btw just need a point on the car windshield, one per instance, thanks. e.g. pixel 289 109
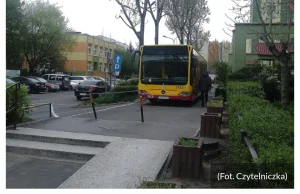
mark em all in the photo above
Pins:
pixel 41 80
pixel 9 81
pixel 89 82
pixel 76 78
pixel 32 80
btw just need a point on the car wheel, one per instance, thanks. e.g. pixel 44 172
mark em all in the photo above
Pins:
pixel 71 88
pixel 78 97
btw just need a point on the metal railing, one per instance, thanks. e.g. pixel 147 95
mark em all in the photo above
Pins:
pixel 12 107
pixel 51 111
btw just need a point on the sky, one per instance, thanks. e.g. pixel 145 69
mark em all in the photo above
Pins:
pixel 95 17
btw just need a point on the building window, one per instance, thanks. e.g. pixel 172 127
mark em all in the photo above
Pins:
pixel 100 51
pixel 90 49
pixel 248 46
pixel 95 50
pixel 100 66
pixel 90 66
pixel 106 52
pixel 95 66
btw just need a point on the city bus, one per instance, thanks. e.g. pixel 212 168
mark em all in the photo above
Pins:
pixel 170 72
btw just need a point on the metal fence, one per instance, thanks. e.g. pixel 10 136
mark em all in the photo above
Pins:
pixel 12 104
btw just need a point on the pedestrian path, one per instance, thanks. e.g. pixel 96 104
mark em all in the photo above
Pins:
pixel 115 162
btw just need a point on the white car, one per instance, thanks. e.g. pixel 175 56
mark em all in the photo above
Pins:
pixel 75 80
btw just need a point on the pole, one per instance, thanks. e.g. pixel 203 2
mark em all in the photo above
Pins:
pixel 93 105
pixel 142 111
pixel 50 109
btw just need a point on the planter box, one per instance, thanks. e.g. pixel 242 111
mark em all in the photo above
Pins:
pixel 187 161
pixel 211 109
pixel 210 125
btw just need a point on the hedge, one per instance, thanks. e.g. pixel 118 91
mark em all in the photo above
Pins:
pixel 23 101
pixel 247 73
pixel 128 93
pixel 271 130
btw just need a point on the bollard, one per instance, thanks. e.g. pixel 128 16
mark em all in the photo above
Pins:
pixel 142 111
pixel 50 109
pixel 93 105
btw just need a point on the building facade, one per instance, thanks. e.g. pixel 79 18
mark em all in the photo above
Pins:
pixel 91 55
pixel 247 49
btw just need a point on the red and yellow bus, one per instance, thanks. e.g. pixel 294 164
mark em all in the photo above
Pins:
pixel 170 72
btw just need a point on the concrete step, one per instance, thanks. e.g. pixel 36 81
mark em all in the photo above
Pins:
pixel 51 150
pixel 53 137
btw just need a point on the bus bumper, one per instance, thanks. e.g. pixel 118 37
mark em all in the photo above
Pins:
pixel 157 97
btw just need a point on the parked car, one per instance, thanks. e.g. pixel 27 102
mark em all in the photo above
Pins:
pixel 62 80
pixel 89 86
pixel 35 86
pixel 49 86
pixel 10 81
pixel 75 80
pixel 113 82
pixel 95 78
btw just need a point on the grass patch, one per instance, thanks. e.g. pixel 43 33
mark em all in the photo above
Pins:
pixel 188 142
pixel 156 185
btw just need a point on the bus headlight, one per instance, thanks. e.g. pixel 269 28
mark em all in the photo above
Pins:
pixel 143 92
pixel 185 94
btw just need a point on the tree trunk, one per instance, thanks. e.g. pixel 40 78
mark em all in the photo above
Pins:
pixel 181 37
pixel 284 81
pixel 142 31
pixel 156 31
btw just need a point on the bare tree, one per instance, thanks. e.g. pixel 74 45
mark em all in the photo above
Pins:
pixel 133 14
pixel 278 44
pixel 199 37
pixel 157 7
pixel 185 18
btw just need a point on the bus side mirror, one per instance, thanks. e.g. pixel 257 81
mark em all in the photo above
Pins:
pixel 134 54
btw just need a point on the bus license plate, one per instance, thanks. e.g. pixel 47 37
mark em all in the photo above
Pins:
pixel 163 97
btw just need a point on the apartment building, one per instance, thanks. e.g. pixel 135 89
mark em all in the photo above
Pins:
pixel 91 55
pixel 247 48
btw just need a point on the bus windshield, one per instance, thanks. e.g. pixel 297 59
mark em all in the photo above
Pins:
pixel 165 64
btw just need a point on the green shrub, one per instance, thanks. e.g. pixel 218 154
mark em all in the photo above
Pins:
pixel 188 142
pixel 129 82
pixel 250 88
pixel 23 101
pixel 215 103
pixel 246 74
pixel 119 94
pixel 271 130
pixel 120 88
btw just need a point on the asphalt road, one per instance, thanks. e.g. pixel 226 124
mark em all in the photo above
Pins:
pixel 62 101
pixel 164 121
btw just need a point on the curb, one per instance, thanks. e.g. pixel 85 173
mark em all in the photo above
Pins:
pixel 29 123
pixel 197 132
pixel 165 165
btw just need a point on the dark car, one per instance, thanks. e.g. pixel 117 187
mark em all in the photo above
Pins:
pixel 35 86
pixel 49 86
pixel 10 81
pixel 89 86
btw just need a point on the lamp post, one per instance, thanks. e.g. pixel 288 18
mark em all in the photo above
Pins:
pixel 170 38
